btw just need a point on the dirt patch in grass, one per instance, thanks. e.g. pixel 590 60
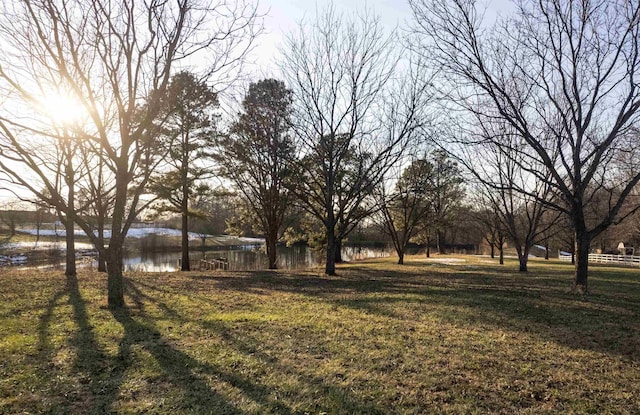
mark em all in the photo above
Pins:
pixel 461 337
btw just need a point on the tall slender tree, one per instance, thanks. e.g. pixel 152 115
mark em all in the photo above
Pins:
pixel 445 197
pixel 256 156
pixel 189 136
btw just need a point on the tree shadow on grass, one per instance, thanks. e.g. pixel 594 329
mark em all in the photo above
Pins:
pixel 97 378
pixel 99 372
pixel 259 281
pixel 182 370
pixel 178 368
pixel 245 345
pixel 605 321
pixel 44 345
pixel 100 376
pixel 332 399
pixel 139 298
pixel 48 370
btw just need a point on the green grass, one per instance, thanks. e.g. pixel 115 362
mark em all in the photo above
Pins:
pixel 422 338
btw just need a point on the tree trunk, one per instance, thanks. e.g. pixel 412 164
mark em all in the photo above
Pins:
pixel 101 211
pixel 582 245
pixel 428 250
pixel 400 246
pixel 271 242
pixel 493 250
pixel 330 266
pixel 501 251
pixel 546 249
pixel 12 227
pixel 115 281
pixel 440 242
pixel 70 266
pixel 37 235
pixel 339 250
pixel 102 261
pixel 185 265
pixel 523 258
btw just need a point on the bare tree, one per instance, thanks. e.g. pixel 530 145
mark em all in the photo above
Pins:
pixel 66 176
pixel 562 74
pixel 353 116
pixel 520 199
pixel 96 196
pixel 491 227
pixel 403 210
pixel 55 154
pixel 115 59
pixel 10 216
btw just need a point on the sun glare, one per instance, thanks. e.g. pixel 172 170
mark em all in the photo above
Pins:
pixel 63 110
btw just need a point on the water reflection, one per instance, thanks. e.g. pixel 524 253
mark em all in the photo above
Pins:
pixel 247 258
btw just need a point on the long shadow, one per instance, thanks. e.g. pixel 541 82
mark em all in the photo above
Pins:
pixel 605 321
pixel 139 298
pixel 99 372
pixel 44 346
pixel 304 284
pixel 340 397
pixel 98 378
pixel 169 357
pixel 45 350
pixel 180 370
pixel 101 376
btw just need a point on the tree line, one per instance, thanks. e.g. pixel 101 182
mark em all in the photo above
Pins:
pixel 532 120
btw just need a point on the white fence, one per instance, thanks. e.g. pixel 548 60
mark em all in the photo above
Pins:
pixel 632 260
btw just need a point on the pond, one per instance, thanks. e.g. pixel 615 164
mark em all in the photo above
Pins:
pixel 243 258
pixel 248 258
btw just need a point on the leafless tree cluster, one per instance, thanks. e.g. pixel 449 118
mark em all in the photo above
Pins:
pixel 563 76
pixel 519 200
pixel 356 109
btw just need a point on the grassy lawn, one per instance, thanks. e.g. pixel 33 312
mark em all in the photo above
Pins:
pixel 466 337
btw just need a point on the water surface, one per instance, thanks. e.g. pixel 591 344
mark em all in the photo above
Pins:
pixel 248 258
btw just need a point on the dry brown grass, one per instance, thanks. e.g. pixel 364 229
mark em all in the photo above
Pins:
pixel 468 337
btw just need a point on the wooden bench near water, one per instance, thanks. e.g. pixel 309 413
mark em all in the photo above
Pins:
pixel 213 264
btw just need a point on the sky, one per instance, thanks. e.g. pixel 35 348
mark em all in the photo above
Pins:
pixel 283 16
